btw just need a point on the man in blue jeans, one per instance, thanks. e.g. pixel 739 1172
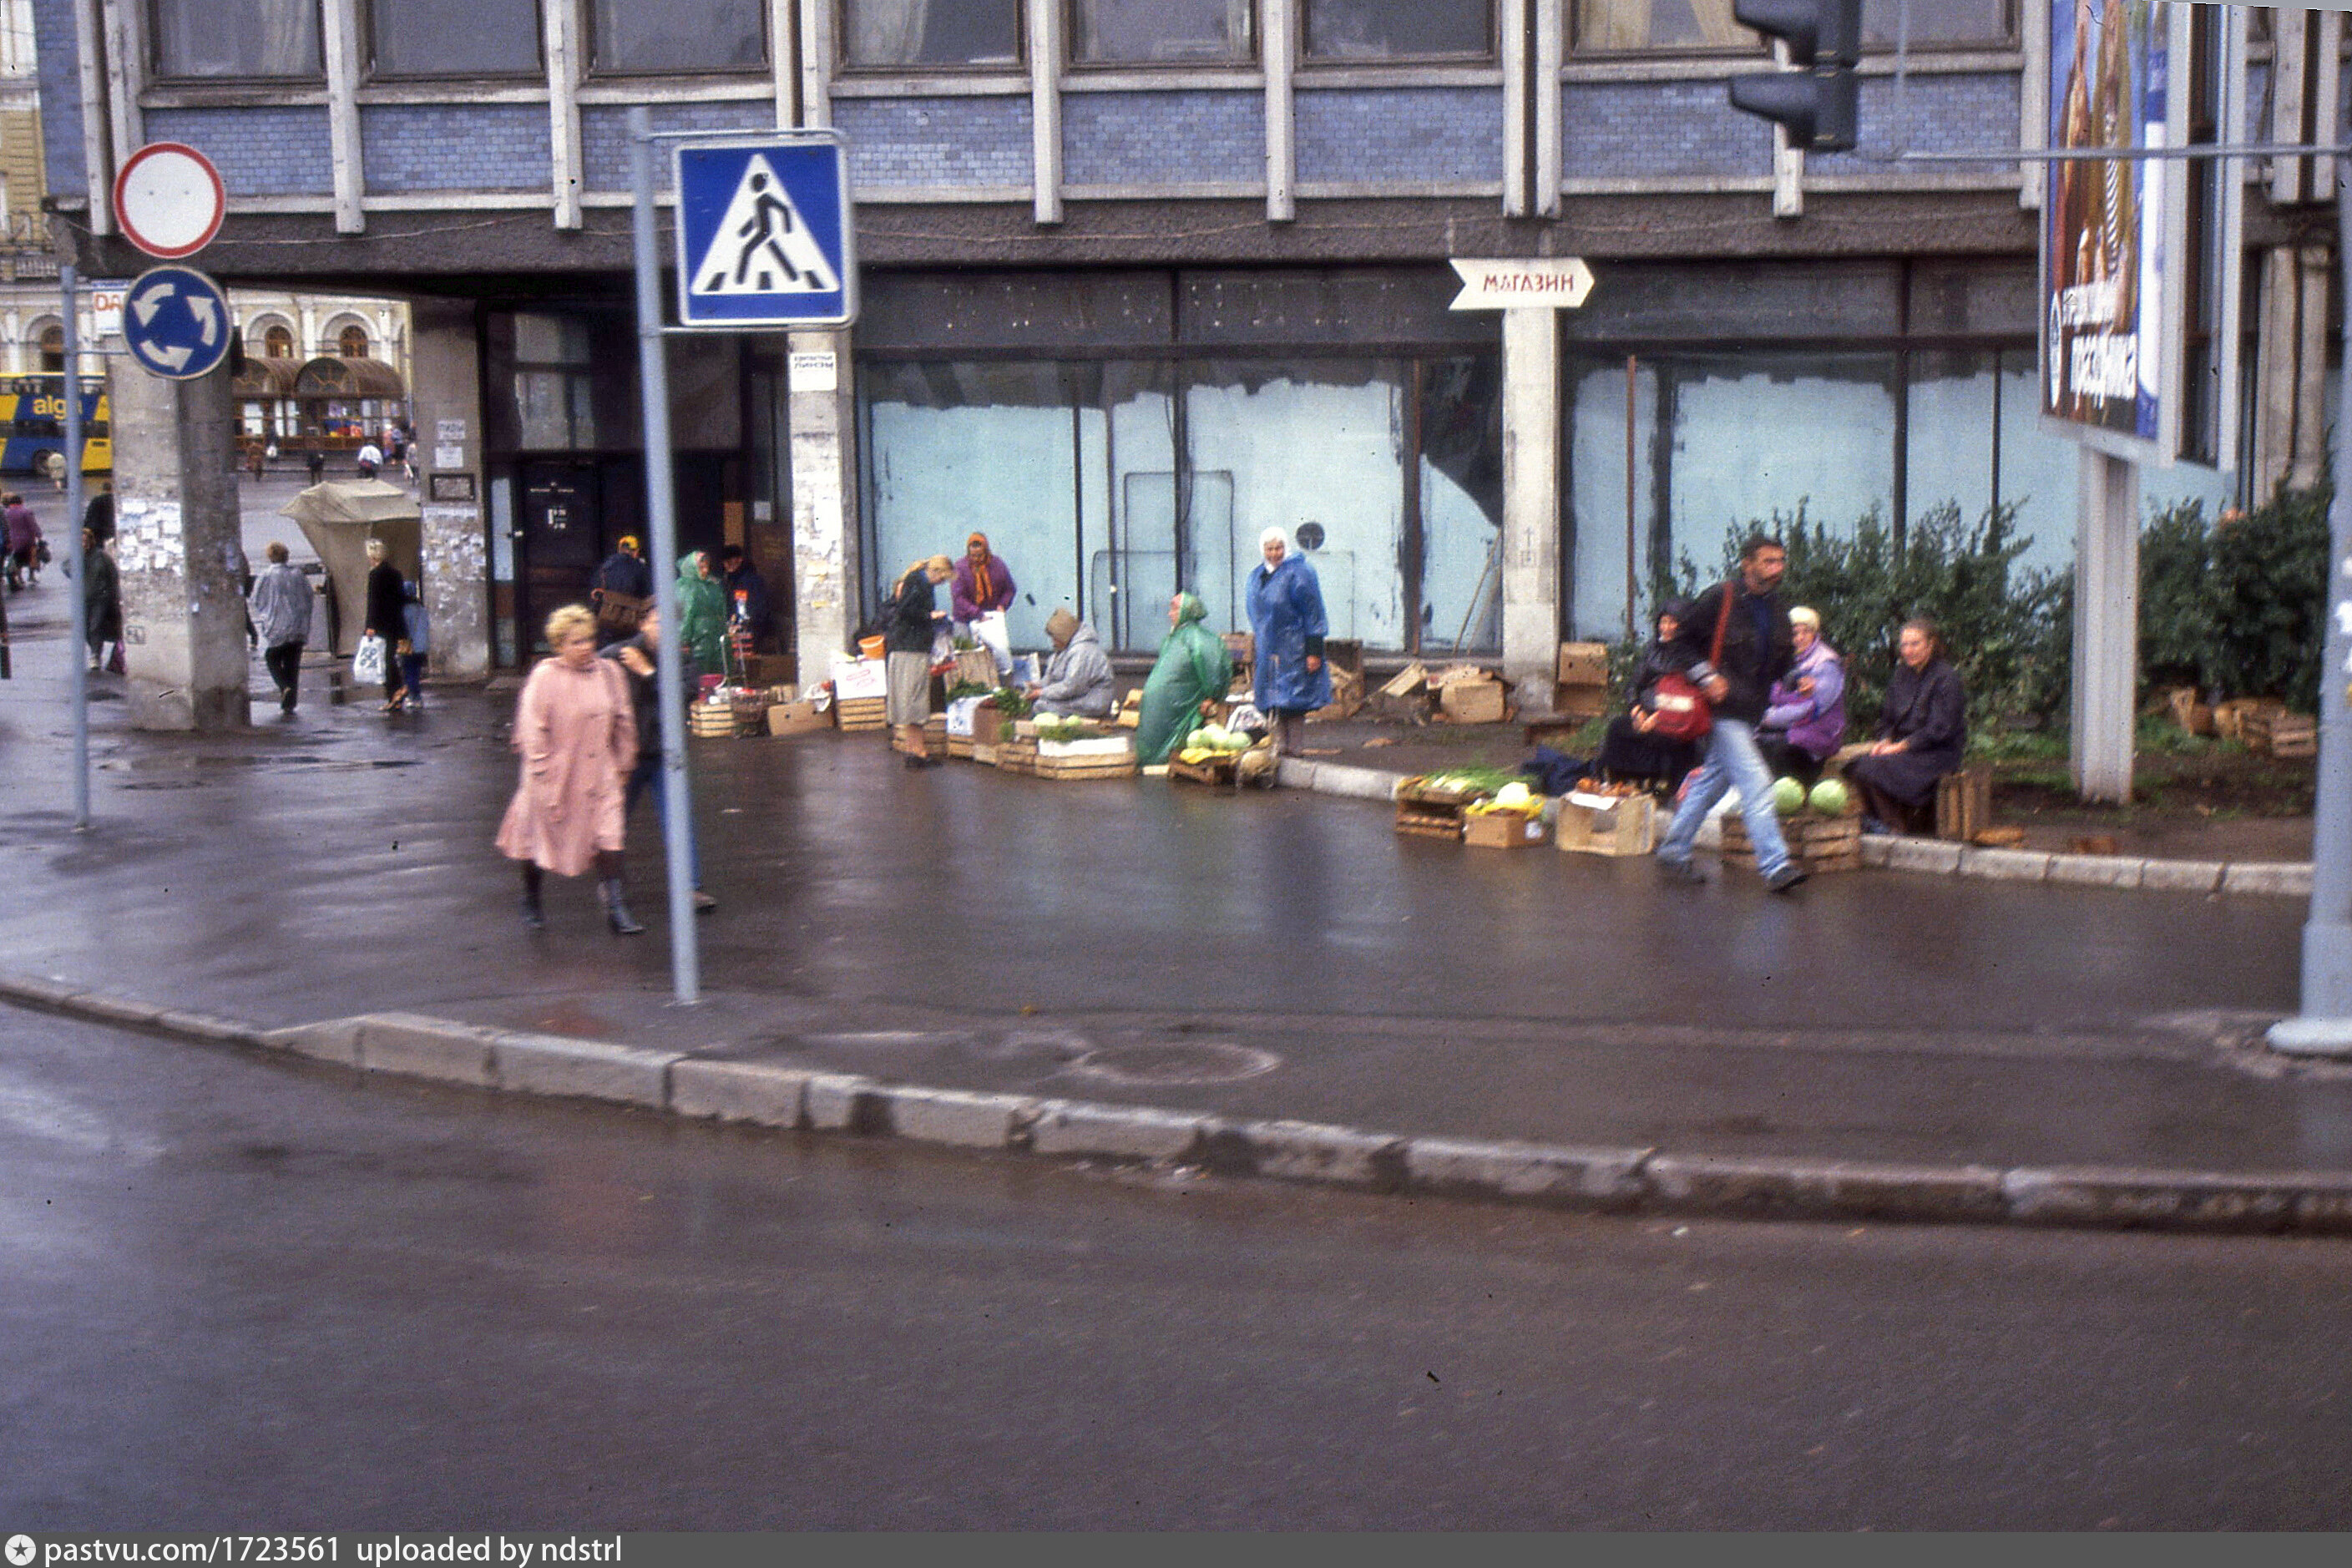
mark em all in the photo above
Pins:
pixel 1758 647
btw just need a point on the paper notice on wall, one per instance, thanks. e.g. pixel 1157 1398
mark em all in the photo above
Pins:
pixel 449 457
pixel 449 430
pixel 816 372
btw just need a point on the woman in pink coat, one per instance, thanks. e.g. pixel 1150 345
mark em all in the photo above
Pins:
pixel 577 732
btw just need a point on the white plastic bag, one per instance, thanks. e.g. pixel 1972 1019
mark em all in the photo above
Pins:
pixel 367 665
pixel 988 630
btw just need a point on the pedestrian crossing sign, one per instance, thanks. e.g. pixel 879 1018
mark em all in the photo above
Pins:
pixel 765 233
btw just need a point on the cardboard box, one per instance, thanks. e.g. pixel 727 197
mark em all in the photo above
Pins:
pixel 1608 824
pixel 855 678
pixel 796 719
pixel 1584 664
pixel 1473 701
pixel 1502 830
pixel 1580 702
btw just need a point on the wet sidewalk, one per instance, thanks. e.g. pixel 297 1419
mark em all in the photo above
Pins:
pixel 1258 957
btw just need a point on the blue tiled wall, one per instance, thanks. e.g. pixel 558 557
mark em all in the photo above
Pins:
pixel 261 152
pixel 1940 114
pixel 60 75
pixel 453 147
pixel 1637 130
pixel 604 135
pixel 1451 133
pixel 1164 138
pixel 936 140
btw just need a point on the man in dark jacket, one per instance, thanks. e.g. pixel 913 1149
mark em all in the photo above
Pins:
pixel 1758 647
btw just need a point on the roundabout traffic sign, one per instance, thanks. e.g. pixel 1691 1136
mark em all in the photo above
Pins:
pixel 169 200
pixel 176 322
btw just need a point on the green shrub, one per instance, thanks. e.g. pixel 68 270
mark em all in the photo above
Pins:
pixel 1999 625
pixel 2236 608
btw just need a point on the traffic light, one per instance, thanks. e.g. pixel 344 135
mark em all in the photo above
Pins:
pixel 1817 101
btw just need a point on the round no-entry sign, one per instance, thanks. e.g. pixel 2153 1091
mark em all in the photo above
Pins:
pixel 169 200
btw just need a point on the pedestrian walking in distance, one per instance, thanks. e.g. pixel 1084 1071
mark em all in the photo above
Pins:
pixel 576 730
pixel 102 603
pixel 280 607
pixel 387 618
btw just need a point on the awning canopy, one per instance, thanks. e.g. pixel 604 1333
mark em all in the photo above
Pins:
pixel 332 375
pixel 267 377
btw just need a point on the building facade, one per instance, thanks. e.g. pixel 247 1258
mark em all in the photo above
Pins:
pixel 1143 277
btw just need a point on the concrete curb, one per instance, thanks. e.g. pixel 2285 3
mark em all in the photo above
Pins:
pixel 1557 1177
pixel 2278 878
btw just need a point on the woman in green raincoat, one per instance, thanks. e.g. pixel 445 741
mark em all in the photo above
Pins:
pixel 701 614
pixel 1193 670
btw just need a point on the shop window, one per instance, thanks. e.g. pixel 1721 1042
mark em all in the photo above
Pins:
pixel 1343 30
pixel 632 39
pixel 453 37
pixel 1620 27
pixel 1163 32
pixel 240 39
pixel 888 33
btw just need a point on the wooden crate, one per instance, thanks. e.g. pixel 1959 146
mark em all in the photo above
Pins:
pixel 1102 758
pixel 1430 813
pixel 860 713
pixel 959 746
pixel 1217 770
pixel 1964 803
pixel 1607 825
pixel 2275 733
pixel 711 720
pixel 1819 844
pixel 1017 757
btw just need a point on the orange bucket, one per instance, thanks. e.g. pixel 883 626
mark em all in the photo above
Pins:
pixel 869 647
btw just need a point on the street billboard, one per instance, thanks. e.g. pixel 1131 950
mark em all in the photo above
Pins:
pixel 2104 261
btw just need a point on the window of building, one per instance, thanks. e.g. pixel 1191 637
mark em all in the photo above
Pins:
pixel 1163 32
pixel 453 37
pixel 632 39
pixel 1619 26
pixel 351 342
pixel 53 348
pixel 1342 30
pixel 554 383
pixel 245 38
pixel 882 33
pixel 277 343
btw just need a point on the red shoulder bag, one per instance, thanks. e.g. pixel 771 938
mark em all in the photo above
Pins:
pixel 1683 711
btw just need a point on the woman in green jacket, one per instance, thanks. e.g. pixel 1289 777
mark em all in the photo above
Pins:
pixel 1193 671
pixel 701 614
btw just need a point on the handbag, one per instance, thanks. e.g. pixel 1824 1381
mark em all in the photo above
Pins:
pixel 367 664
pixel 1683 712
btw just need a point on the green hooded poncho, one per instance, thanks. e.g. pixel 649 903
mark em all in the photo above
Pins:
pixel 701 615
pixel 1193 668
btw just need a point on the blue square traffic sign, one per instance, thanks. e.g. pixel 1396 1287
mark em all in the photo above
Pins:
pixel 765 234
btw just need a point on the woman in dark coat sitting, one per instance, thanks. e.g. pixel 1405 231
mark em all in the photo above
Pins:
pixel 1921 732
pixel 1631 751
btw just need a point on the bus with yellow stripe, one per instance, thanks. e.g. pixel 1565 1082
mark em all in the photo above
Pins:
pixel 33 427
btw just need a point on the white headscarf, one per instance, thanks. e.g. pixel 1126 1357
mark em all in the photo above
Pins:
pixel 1275 536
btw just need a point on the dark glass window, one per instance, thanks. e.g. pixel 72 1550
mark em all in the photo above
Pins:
pixel 236 38
pixel 1163 32
pixel 1339 30
pixel 453 37
pixel 1616 26
pixel 634 38
pixel 933 32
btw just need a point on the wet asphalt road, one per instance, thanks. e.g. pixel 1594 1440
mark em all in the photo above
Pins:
pixel 1281 954
pixel 248 1296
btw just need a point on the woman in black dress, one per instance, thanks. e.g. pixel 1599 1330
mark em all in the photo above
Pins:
pixel 1922 730
pixel 386 599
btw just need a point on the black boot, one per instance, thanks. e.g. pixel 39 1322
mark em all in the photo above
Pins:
pixel 616 910
pixel 534 917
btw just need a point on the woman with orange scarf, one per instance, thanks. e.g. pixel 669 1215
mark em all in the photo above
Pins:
pixel 983 593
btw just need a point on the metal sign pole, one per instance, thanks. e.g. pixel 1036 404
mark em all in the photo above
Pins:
pixel 77 563
pixel 654 391
pixel 2325 1027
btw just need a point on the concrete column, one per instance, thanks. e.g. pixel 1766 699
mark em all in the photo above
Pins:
pixel 1530 564
pixel 2107 626
pixel 446 408
pixel 2290 433
pixel 178 546
pixel 827 563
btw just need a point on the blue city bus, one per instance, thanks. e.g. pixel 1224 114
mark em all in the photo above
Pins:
pixel 33 426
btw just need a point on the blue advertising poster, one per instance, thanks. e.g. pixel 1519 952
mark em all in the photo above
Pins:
pixel 2103 254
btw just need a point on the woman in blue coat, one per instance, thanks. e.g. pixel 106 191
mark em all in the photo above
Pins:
pixel 1285 614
